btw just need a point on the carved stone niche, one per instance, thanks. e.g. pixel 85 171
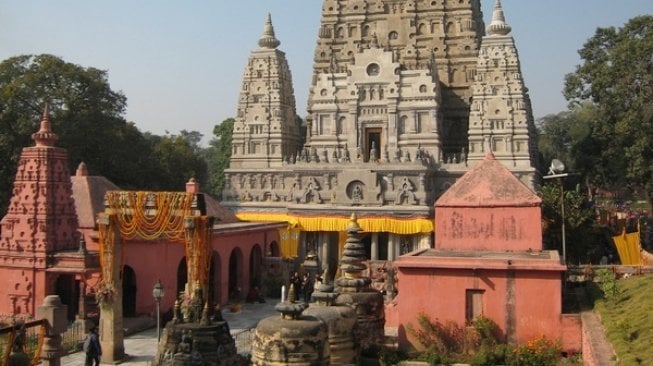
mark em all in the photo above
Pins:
pixel 356 192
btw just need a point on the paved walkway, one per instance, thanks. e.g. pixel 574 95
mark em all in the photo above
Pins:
pixel 141 347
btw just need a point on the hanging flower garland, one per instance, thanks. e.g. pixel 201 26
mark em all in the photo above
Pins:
pixel 106 289
pixel 151 215
pixel 10 343
pixel 198 251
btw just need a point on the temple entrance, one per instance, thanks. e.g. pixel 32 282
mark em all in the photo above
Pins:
pixel 235 275
pixel 68 290
pixel 372 149
pixel 215 290
pixel 255 264
pixel 128 292
pixel 182 276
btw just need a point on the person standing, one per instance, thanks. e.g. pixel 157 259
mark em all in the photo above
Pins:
pixel 92 347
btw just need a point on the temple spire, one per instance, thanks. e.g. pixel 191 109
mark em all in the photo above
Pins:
pixel 268 40
pixel 45 136
pixel 498 26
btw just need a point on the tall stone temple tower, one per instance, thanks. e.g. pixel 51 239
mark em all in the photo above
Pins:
pixel 265 129
pixel 406 96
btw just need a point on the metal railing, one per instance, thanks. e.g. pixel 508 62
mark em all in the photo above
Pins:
pixel 23 337
pixel 243 339
pixel 73 337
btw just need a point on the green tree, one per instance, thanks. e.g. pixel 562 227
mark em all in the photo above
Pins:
pixel 616 76
pixel 567 136
pixel 586 241
pixel 85 113
pixel 178 161
pixel 218 155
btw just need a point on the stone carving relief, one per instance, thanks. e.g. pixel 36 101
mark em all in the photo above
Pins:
pixel 355 191
pixel 311 193
pixel 405 193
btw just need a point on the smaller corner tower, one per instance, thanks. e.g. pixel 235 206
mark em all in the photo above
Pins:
pixel 41 220
pixel 266 129
pixel 501 118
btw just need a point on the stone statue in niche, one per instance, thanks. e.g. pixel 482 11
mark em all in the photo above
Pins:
pixel 311 193
pixel 373 157
pixel 357 193
pixel 406 194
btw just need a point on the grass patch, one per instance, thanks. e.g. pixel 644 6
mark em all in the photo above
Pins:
pixel 627 320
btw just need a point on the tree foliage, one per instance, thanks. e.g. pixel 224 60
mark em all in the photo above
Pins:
pixel 218 155
pixel 586 241
pixel 87 115
pixel 616 77
pixel 178 160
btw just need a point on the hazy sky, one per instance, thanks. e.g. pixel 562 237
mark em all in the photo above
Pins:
pixel 180 62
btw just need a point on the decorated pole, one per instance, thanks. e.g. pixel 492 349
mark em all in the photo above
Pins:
pixel 110 291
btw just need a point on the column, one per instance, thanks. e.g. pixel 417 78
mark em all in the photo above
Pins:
pixel 375 247
pixel 392 243
pixel 56 315
pixel 111 322
pixel 81 309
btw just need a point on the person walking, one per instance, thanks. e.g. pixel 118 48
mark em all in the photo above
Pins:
pixel 92 347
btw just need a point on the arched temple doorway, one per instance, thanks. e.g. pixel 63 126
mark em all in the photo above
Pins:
pixel 255 266
pixel 182 276
pixel 68 290
pixel 235 275
pixel 128 292
pixel 215 289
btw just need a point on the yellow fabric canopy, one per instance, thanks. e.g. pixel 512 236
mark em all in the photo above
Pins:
pixel 373 224
pixel 628 248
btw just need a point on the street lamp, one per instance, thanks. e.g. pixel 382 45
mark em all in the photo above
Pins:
pixel 556 171
pixel 158 293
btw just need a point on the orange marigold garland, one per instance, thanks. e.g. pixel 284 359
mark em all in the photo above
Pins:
pixel 153 215
pixel 10 344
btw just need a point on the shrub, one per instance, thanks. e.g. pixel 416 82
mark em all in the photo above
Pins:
pixel 442 341
pixel 609 285
pixel 538 352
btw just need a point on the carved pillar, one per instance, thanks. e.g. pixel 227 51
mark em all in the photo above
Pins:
pixel 81 313
pixel 111 322
pixel 375 247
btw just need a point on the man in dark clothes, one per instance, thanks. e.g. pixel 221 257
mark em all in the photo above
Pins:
pixel 92 348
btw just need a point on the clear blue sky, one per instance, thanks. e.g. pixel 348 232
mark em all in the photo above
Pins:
pixel 180 62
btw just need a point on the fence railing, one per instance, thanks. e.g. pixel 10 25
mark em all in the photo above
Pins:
pixel 243 339
pixel 22 338
pixel 73 337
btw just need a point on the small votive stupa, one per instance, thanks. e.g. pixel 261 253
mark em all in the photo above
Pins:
pixel 199 337
pixel 292 339
pixel 355 291
pixel 340 320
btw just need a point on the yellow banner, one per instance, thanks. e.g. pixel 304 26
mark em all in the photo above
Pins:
pixel 372 224
pixel 628 248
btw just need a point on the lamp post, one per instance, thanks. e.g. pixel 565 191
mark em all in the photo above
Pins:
pixel 157 293
pixel 556 171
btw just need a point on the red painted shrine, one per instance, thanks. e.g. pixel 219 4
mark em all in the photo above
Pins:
pixel 49 242
pixel 488 260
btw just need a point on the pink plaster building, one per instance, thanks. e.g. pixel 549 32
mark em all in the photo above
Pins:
pixel 488 260
pixel 49 242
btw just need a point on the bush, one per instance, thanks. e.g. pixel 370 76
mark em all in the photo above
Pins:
pixel 609 285
pixel 443 341
pixel 538 352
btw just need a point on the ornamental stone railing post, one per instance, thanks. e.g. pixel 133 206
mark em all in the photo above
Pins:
pixel 55 313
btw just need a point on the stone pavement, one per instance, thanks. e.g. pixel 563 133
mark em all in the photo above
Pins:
pixel 141 347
